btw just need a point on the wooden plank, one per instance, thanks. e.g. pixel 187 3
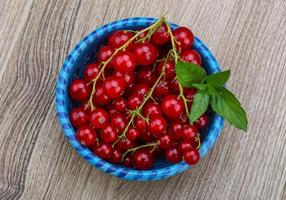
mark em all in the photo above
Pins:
pixel 36 161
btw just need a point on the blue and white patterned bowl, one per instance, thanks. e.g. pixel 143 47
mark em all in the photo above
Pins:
pixel 85 52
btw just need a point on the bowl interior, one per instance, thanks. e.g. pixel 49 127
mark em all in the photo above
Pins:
pixel 84 53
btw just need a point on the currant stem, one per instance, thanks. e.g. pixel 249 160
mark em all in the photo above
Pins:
pixel 197 139
pixel 140 147
pixel 104 64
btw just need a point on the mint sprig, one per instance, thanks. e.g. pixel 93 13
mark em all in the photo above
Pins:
pixel 211 91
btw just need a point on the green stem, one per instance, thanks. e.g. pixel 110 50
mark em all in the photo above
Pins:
pixel 140 147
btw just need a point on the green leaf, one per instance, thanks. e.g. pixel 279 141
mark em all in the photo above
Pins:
pixel 199 86
pixel 229 109
pixel 189 73
pixel 218 79
pixel 227 94
pixel 200 105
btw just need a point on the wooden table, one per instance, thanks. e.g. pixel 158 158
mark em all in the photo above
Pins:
pixel 37 162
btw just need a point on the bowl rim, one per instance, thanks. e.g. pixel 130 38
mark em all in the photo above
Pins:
pixel 117 170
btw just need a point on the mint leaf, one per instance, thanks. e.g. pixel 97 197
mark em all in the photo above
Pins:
pixel 218 79
pixel 230 109
pixel 200 105
pixel 188 73
pixel 199 86
pixel 227 94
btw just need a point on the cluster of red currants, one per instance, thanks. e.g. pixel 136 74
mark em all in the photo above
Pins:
pixel 131 111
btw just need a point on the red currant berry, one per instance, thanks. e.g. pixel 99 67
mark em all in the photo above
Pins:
pixel 146 75
pixel 124 144
pixel 132 134
pixel 174 86
pixel 105 53
pixel 170 73
pixel 86 135
pixel 113 86
pixel 141 89
pixel 151 108
pixel 161 89
pixel 173 106
pixel 157 125
pixel 184 146
pixel 98 118
pixel 202 122
pixel 119 121
pixel 140 124
pixel 103 151
pixel 116 156
pixel 173 155
pixel 142 159
pixel 146 53
pixel 142 35
pixel 134 101
pixel 124 61
pixel 190 93
pixel 78 117
pixel 183 118
pixel 128 77
pixel 120 104
pixel 91 72
pixel 147 136
pixel 176 130
pixel 119 38
pixel 111 110
pixel 191 156
pixel 184 37
pixel 166 142
pixel 108 134
pixel 78 90
pixel 189 132
pixel 161 35
pixel 191 56
pixel 100 97
pixel 127 162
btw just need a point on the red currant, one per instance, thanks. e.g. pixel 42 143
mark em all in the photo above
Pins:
pixel 190 93
pixel 124 61
pixel 105 53
pixel 170 73
pixel 100 97
pixel 132 134
pixel 174 86
pixel 146 75
pixel 176 130
pixel 140 124
pixel 147 136
pixel 103 151
pixel 120 104
pixel 127 162
pixel 146 53
pixel 189 132
pixel 166 142
pixel 184 146
pixel 116 156
pixel 86 135
pixel 90 72
pixel 191 156
pixel 151 108
pixel 157 125
pixel 108 134
pixel 173 155
pixel 113 86
pixel 202 122
pixel 184 37
pixel 78 90
pixel 119 38
pixel 161 35
pixel 134 101
pixel 78 117
pixel 128 77
pixel 142 159
pixel 119 121
pixel 111 110
pixel 161 89
pixel 124 144
pixel 98 118
pixel 191 56
pixel 173 106
pixel 141 89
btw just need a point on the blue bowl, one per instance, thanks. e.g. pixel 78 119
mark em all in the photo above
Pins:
pixel 85 52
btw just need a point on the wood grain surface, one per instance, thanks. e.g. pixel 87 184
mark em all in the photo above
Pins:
pixel 37 162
